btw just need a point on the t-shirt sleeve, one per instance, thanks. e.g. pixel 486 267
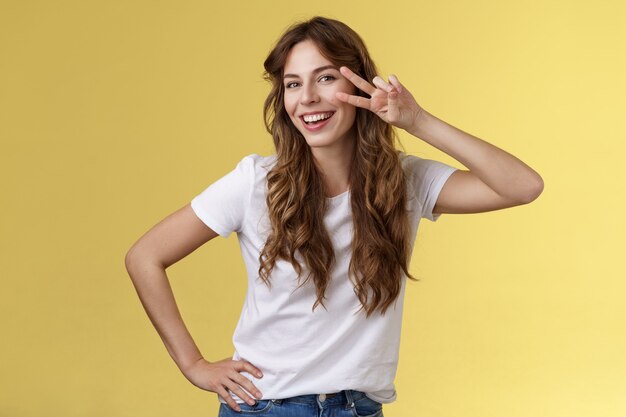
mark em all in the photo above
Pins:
pixel 427 178
pixel 222 205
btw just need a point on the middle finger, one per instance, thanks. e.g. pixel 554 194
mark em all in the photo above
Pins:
pixel 247 385
pixel 356 80
pixel 238 390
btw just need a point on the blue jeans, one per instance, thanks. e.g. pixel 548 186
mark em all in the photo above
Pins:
pixel 347 403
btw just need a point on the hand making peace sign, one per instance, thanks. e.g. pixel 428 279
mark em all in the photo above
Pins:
pixel 391 102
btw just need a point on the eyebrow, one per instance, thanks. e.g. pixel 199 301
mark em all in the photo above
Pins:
pixel 315 71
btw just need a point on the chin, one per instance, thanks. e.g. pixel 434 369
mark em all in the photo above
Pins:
pixel 322 142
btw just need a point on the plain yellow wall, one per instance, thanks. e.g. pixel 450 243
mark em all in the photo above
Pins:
pixel 113 114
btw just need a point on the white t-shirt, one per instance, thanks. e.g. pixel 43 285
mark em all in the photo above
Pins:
pixel 300 351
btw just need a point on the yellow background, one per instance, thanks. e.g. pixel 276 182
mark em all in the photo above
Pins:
pixel 113 114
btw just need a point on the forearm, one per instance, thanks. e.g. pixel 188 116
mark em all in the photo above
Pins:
pixel 501 171
pixel 154 290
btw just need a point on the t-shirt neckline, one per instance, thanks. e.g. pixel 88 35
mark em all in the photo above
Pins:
pixel 338 196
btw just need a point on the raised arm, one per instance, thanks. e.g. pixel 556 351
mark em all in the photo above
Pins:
pixel 495 178
pixel 166 243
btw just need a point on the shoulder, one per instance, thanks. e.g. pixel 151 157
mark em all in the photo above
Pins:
pixel 411 164
pixel 423 167
pixel 255 166
pixel 258 162
pixel 425 177
pixel 406 159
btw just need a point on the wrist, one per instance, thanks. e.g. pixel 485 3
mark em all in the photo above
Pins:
pixel 185 366
pixel 419 122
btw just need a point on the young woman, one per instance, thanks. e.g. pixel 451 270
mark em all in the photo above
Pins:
pixel 326 228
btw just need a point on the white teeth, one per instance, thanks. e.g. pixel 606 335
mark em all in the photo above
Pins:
pixel 315 117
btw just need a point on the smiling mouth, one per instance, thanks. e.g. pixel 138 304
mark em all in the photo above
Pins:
pixel 312 119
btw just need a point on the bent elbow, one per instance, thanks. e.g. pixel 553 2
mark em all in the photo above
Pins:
pixel 534 192
pixel 128 260
pixel 131 259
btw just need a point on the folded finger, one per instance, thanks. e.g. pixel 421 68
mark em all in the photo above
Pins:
pixel 356 80
pixel 396 83
pixel 382 84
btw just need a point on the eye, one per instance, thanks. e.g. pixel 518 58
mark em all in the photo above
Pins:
pixel 291 85
pixel 327 77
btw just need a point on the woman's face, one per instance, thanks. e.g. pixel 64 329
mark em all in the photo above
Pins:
pixel 310 83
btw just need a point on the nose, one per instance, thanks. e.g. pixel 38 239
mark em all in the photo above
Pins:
pixel 309 94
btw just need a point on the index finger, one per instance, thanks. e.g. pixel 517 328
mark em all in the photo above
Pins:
pixel 356 80
pixel 357 101
pixel 249 367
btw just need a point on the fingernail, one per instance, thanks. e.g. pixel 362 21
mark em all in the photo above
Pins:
pixel 259 374
pixel 258 394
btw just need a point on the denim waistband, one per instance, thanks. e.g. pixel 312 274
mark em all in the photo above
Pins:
pixel 341 397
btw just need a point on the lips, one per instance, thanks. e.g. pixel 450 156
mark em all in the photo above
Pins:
pixel 317 120
pixel 314 117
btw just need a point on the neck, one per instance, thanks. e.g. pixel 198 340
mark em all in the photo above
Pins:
pixel 334 166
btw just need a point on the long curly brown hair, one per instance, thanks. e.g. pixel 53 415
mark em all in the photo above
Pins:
pixel 296 198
